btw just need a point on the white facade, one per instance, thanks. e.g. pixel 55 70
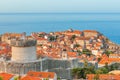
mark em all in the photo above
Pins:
pixel 24 53
pixel 94 52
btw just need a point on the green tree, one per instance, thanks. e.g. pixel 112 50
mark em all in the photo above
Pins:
pixel 105 70
pixel 82 72
pixel 98 71
pixel 99 59
pixel 52 38
pixel 101 71
pixel 79 52
pixel 96 77
pixel 58 78
pixel 76 45
pixel 16 78
pixel 87 69
pixel 1 78
pixel 116 65
pixel 106 66
pixel 46 79
pixel 85 64
pixel 41 35
pixel 73 37
pixel 40 45
pixel 87 52
pixel 76 72
pixel 92 69
pixel 108 52
pixel 112 67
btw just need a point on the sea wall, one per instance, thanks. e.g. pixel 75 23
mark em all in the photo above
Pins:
pixel 61 67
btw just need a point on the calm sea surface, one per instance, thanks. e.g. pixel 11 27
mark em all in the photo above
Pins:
pixel 106 23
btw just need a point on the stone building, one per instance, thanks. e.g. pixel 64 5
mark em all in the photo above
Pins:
pixel 24 59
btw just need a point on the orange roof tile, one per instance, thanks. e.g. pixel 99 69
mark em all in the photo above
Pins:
pixel 30 78
pixel 104 77
pixel 106 59
pixel 72 54
pixel 82 38
pixel 77 32
pixel 6 76
pixel 41 74
pixel 90 31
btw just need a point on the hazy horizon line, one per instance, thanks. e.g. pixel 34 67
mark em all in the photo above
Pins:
pixel 59 12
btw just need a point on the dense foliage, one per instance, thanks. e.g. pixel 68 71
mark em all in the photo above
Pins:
pixel 1 78
pixel 81 72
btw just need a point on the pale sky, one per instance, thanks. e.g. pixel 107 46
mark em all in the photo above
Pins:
pixel 37 6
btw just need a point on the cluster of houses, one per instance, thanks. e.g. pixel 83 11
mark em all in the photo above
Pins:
pixel 112 59
pixel 71 44
pixel 68 44
pixel 30 76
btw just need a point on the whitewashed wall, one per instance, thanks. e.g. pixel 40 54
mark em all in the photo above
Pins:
pixel 24 53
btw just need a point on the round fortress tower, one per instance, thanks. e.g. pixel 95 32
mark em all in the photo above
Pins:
pixel 23 50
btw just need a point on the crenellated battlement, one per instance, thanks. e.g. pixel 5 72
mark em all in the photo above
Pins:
pixel 23 43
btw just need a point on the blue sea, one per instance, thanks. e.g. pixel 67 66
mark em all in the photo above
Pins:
pixel 106 23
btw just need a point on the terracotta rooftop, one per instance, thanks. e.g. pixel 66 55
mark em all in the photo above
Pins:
pixel 106 59
pixel 104 77
pixel 13 34
pixel 72 54
pixel 41 74
pixel 93 31
pixel 6 76
pixel 82 38
pixel 30 78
